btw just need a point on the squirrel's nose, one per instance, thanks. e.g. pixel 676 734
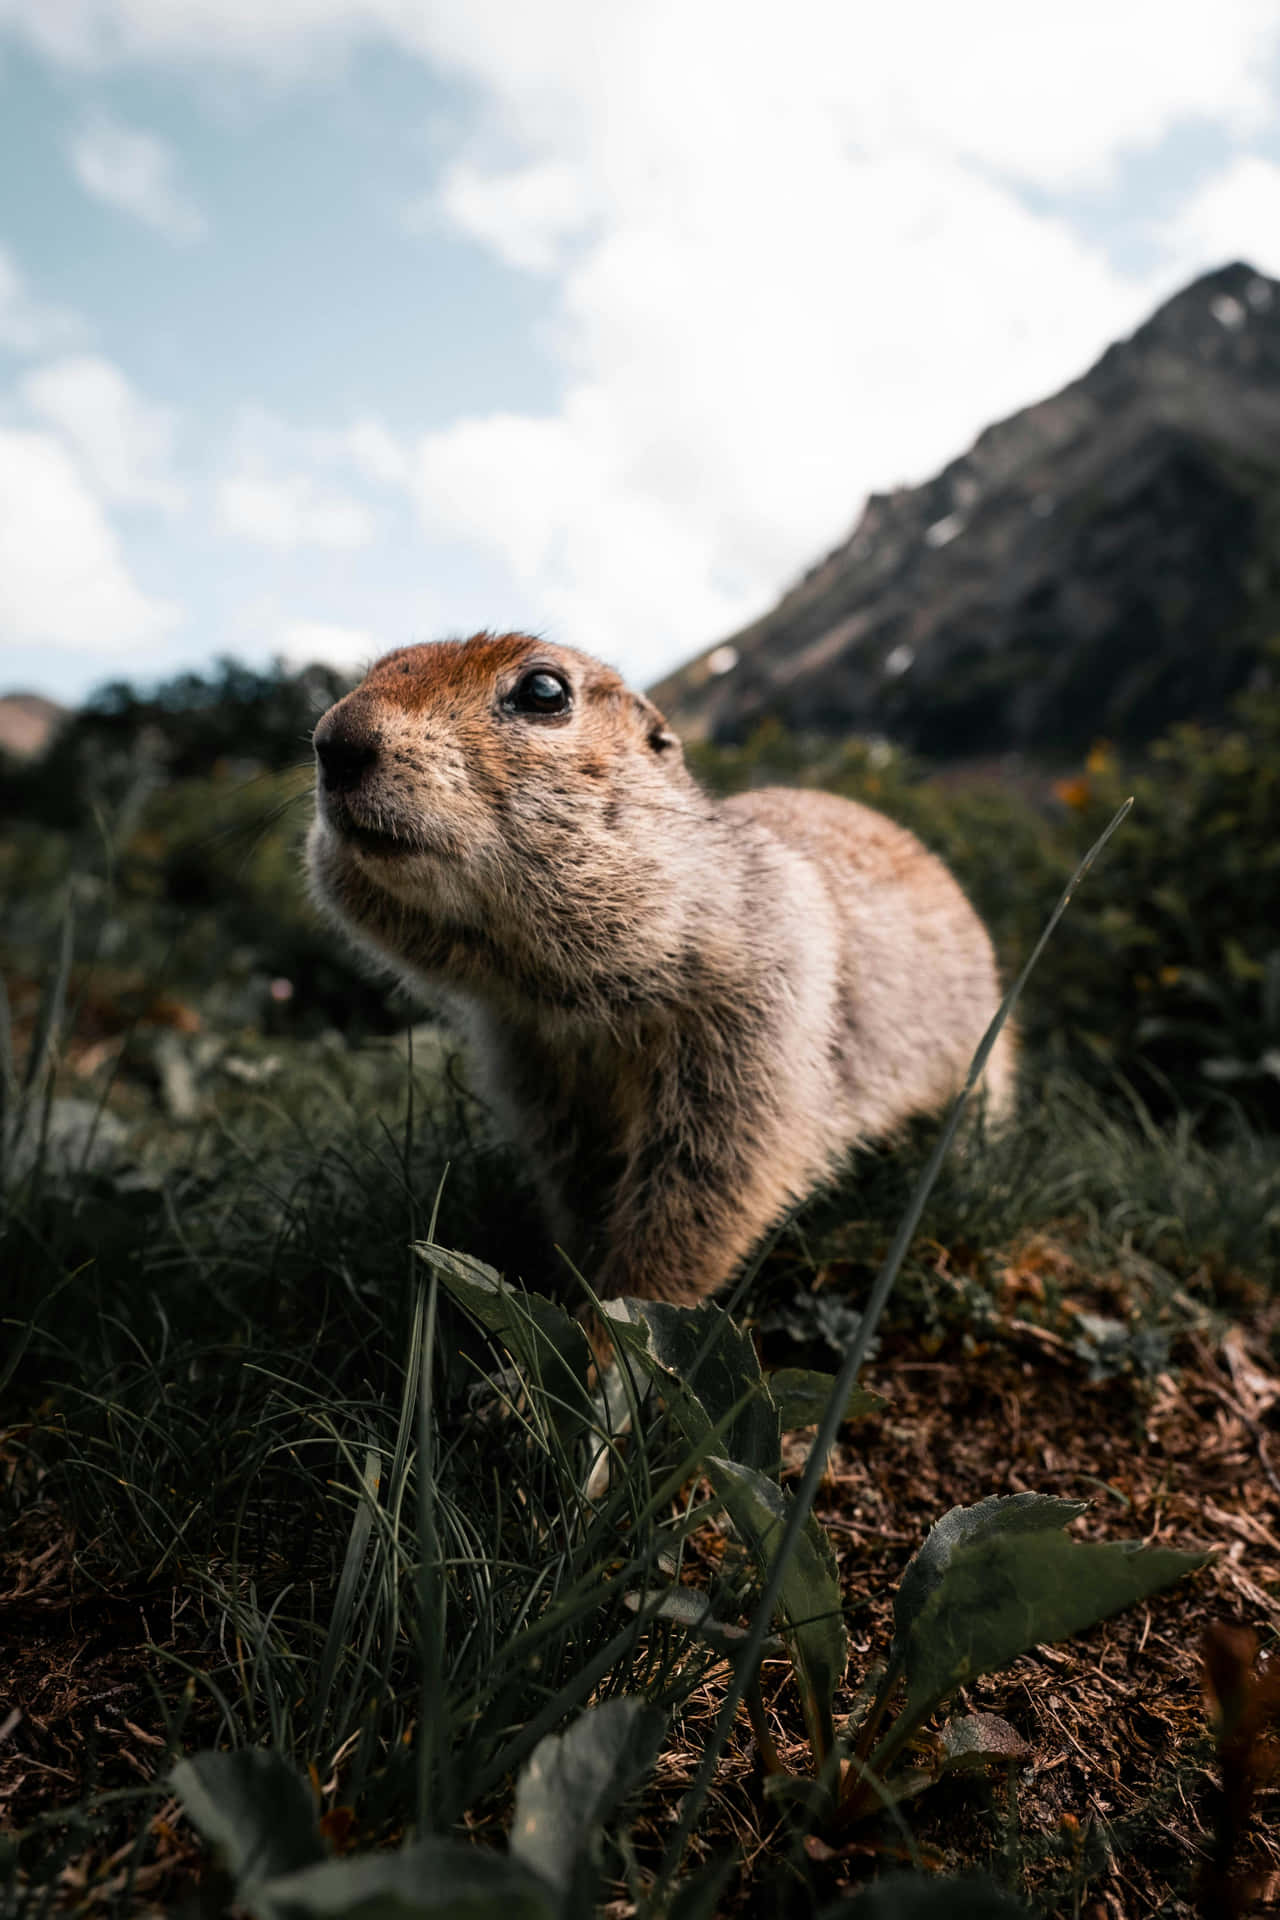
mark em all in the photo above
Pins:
pixel 345 751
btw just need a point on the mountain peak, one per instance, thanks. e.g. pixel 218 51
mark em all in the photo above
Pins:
pixel 1101 563
pixel 1218 314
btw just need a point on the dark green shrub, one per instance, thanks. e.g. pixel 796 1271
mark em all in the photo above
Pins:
pixel 1170 971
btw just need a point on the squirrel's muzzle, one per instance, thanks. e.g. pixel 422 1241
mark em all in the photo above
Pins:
pixel 346 750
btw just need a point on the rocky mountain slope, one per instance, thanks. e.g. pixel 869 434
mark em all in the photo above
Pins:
pixel 1099 565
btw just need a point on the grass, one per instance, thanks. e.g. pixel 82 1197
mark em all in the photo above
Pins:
pixel 230 1413
pixel 223 1367
pixel 224 1423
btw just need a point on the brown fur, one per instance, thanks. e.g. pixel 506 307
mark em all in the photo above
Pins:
pixel 686 1012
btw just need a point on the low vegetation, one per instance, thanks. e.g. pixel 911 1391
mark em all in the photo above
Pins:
pixel 335 1584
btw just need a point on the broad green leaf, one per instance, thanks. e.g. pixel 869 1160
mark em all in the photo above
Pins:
pixel 571 1785
pixel 1012 1513
pixel 705 1367
pixel 810 1597
pixel 801 1397
pixel 253 1808
pixel 1004 1593
pixel 548 1343
pixel 434 1880
pixel 915 1896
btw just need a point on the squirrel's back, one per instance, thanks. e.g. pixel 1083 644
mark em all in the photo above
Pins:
pixel 916 978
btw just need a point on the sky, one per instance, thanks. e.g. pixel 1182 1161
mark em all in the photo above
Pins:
pixel 329 325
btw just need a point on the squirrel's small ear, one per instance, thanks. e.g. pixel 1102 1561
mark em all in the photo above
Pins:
pixel 657 732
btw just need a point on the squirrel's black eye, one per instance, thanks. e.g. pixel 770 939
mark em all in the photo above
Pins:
pixel 540 692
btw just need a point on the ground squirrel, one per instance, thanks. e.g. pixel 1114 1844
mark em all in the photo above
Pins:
pixel 686 1012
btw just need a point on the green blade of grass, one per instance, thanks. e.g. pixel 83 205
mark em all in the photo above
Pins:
pixel 357 1546
pixel 430 1817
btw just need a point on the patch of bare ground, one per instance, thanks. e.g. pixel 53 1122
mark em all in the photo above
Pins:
pixel 87 1713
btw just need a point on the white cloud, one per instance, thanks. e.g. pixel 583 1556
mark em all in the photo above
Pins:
pixel 302 642
pixel 525 215
pixel 289 487
pixel 28 325
pixel 135 173
pixel 742 372
pixel 1044 95
pixel 593 561
pixel 366 445
pixel 63 582
pixel 1233 215
pixel 123 442
pixel 291 510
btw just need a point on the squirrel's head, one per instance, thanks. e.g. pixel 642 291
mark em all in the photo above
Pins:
pixel 460 774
